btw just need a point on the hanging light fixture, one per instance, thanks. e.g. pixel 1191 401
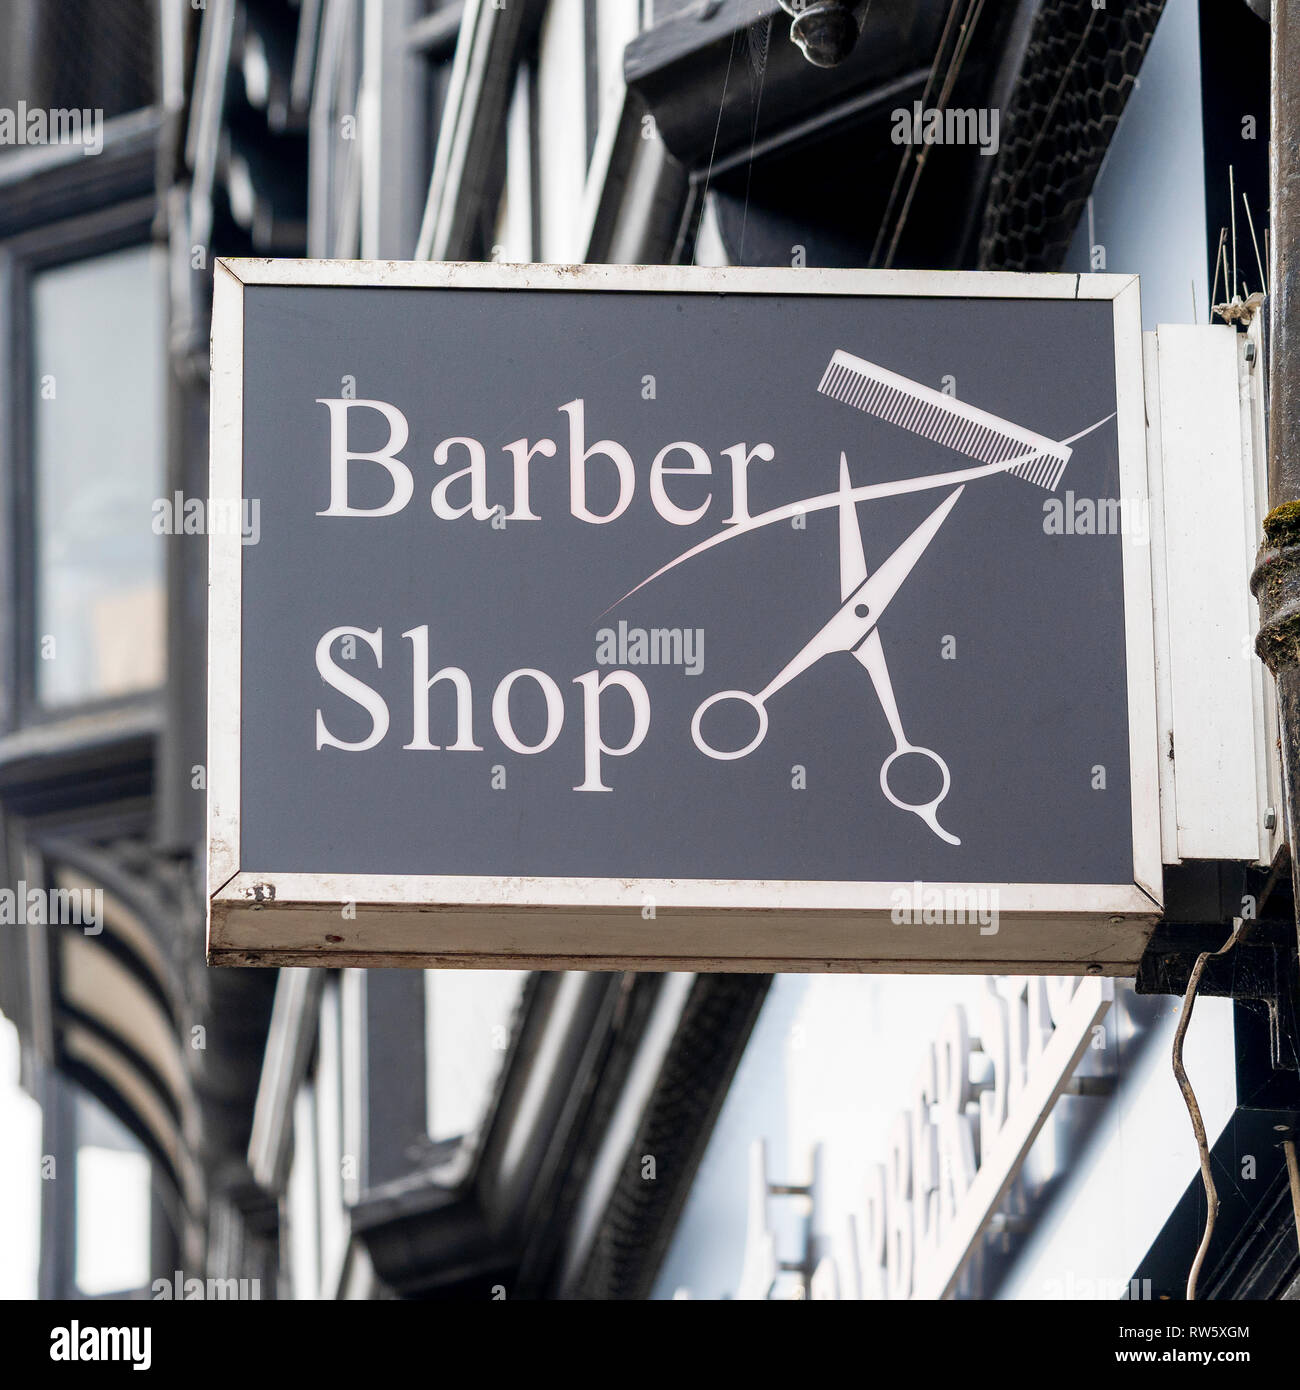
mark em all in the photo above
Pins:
pixel 824 31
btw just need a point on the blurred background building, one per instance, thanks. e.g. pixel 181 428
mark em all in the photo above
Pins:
pixel 495 1134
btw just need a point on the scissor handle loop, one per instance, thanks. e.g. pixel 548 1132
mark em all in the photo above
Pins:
pixel 927 810
pixel 753 702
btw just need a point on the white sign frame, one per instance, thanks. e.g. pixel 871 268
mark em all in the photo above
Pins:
pixel 279 919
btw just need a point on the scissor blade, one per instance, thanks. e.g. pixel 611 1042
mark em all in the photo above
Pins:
pixel 861 611
pixel 870 652
pixel 878 592
pixel 853 563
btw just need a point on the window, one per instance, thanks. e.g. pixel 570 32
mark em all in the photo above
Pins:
pixel 516 231
pixel 20 1174
pixel 98 460
pixel 468 1026
pixel 333 1159
pixel 434 35
pixel 579 100
pixel 562 130
pixel 302 1212
pixel 334 221
pixel 378 77
pixel 113 1204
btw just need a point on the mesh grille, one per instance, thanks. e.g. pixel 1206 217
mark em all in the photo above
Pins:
pixel 1062 113
pixel 79 53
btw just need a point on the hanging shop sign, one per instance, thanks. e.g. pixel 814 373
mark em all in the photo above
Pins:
pixel 678 618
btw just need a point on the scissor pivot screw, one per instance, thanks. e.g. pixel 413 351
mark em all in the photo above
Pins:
pixel 862 611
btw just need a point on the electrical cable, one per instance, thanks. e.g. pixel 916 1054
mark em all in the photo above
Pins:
pixel 1293 1174
pixel 722 103
pixel 909 149
pixel 1193 1109
pixel 973 12
pixel 758 63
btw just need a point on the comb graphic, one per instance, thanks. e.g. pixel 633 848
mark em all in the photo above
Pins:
pixel 947 421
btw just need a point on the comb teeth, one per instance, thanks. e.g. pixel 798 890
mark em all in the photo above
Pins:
pixel 943 419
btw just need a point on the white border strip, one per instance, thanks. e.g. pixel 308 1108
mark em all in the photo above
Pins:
pixel 1139 611
pixel 577 895
pixel 225 574
pixel 676 279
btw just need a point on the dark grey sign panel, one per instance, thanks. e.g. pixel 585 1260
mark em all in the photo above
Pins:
pixel 626 585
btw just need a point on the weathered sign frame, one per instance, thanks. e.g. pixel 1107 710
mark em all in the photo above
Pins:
pixel 748 925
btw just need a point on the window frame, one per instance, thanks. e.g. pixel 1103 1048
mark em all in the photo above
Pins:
pixel 125 226
pixel 62 212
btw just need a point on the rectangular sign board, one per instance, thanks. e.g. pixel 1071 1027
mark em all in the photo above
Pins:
pixel 671 618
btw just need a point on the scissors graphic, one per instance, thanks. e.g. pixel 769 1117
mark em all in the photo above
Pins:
pixel 854 628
